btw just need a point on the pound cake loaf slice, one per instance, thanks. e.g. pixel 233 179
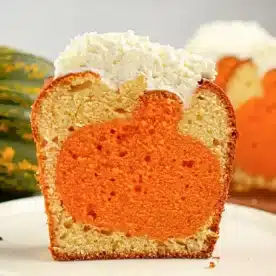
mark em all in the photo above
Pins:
pixel 133 162
pixel 245 54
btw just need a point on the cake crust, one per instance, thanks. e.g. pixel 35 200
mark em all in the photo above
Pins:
pixel 59 254
pixel 113 256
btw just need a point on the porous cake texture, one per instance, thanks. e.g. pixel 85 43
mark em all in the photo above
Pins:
pixel 125 169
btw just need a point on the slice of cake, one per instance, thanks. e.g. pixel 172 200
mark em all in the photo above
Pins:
pixel 133 163
pixel 245 55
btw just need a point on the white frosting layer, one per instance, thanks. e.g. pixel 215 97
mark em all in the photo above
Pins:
pixel 243 40
pixel 119 57
pixel 265 57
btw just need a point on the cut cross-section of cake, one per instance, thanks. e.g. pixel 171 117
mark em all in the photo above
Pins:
pixel 135 150
pixel 245 54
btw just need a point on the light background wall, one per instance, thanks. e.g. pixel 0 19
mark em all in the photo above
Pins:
pixel 45 27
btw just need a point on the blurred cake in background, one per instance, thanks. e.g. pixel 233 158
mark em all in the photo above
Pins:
pixel 245 55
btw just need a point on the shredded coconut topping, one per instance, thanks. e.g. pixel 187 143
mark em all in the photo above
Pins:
pixel 119 57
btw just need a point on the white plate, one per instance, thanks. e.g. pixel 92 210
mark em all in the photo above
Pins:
pixel 247 247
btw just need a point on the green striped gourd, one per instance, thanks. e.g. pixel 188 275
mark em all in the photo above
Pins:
pixel 21 77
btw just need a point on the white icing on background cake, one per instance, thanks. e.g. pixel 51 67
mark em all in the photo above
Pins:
pixel 265 57
pixel 119 57
pixel 240 39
